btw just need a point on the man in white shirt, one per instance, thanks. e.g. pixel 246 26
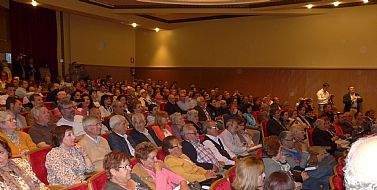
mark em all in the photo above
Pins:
pixel 214 143
pixel 323 97
pixel 67 109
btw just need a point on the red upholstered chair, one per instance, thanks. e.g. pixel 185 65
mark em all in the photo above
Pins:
pixel 231 174
pixel 79 186
pixel 26 129
pixel 264 128
pixel 341 161
pixel 133 162
pixel 106 135
pixel 221 184
pixel 336 183
pixel 37 160
pixel 201 138
pixel 162 106
pixel 48 105
pixel 97 181
pixel 106 121
pixel 259 153
pixel 309 134
pixel 338 170
pixel 161 155
pixel 129 131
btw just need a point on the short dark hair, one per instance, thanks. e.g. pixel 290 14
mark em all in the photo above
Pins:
pixel 279 180
pixel 32 97
pixel 167 143
pixel 58 134
pixel 10 100
pixel 5 145
pixel 325 84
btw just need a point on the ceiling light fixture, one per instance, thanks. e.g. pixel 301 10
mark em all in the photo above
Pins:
pixel 336 3
pixel 309 6
pixel 365 1
pixel 134 25
pixel 205 2
pixel 156 29
pixel 34 3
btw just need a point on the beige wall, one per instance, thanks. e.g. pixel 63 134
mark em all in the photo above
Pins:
pixel 100 42
pixel 344 38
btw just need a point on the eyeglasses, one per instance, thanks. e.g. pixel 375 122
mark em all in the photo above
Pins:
pixel 288 139
pixel 125 167
pixel 11 120
pixel 70 107
pixel 192 133
pixel 211 127
pixel 175 146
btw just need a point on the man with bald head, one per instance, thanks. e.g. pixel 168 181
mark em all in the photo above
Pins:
pixel 361 165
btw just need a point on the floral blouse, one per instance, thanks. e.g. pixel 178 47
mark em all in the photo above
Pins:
pixel 66 166
pixel 25 166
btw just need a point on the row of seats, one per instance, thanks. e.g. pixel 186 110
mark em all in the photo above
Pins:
pixel 337 180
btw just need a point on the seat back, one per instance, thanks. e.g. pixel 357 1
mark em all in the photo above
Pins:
pixel 221 184
pixel 264 129
pixel 26 130
pixel 161 155
pixel 309 135
pixel 97 181
pixel 37 160
pixel 78 186
pixel 133 162
pixel 336 183
pixel 231 174
pixel 48 105
pixel 105 136
pixel 339 170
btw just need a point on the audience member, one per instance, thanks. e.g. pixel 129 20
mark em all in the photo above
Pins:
pixel 69 117
pixel 41 131
pixel 279 180
pixel 140 133
pixel 171 106
pixel 14 106
pixel 118 139
pixel 161 127
pixel 249 174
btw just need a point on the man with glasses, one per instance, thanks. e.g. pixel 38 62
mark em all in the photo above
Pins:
pixel 214 143
pixel 197 152
pixel 94 145
pixel 67 109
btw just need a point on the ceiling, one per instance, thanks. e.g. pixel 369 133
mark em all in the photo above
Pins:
pixel 169 16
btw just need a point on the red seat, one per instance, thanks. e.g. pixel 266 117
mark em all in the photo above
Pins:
pixel 255 115
pixel 339 170
pixel 97 181
pixel 201 138
pixel 37 160
pixel 161 155
pixel 26 130
pixel 133 162
pixel 264 128
pixel 336 183
pixel 231 174
pixel 309 134
pixel 221 184
pixel 259 153
pixel 341 161
pixel 106 122
pixel 79 186
pixel 106 136
pixel 162 106
pixel 48 105
pixel 129 131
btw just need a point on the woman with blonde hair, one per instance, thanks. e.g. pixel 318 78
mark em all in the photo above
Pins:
pixel 249 174
pixel 161 126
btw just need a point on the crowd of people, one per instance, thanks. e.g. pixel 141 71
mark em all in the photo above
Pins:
pixel 100 125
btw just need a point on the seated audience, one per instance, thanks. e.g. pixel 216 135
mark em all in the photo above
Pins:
pixel 180 164
pixel 171 106
pixel 67 162
pixel 203 110
pixel 323 136
pixel 152 110
pixel 193 118
pixel 213 142
pixel 69 117
pixel 94 145
pixel 106 108
pixel 280 180
pixel 140 133
pixel 185 103
pixel 16 173
pixel 153 171
pixel 249 174
pixel 274 124
pixel 361 165
pixel 161 126
pixel 178 122
pixel 85 105
pixel 301 116
pixel 41 131
pixel 19 142
pixel 14 106
pixel 118 139
pixel 197 152
pixel 118 172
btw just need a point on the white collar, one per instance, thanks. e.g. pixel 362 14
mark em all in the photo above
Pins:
pixel 97 140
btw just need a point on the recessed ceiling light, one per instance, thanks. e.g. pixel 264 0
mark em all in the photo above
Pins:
pixel 336 3
pixel 309 6
pixel 156 29
pixel 365 1
pixel 134 25
pixel 34 3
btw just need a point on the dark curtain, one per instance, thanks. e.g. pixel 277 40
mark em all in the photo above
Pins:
pixel 34 34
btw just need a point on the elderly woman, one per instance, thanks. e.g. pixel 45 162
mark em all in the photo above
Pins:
pixel 249 174
pixel 67 162
pixel 193 117
pixel 152 171
pixel 178 122
pixel 161 126
pixel 16 173
pixel 19 142
pixel 105 107
pixel 180 164
pixel 118 172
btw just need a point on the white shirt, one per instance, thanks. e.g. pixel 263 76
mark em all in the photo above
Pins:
pixel 216 152
pixel 132 150
pixel 323 96
pixel 76 124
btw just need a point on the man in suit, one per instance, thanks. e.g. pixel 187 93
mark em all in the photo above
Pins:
pixel 172 107
pixel 274 125
pixel 140 133
pixel 118 139
pixel 352 100
pixel 203 111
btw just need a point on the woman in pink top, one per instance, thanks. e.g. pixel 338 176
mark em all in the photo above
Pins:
pixel 153 172
pixel 161 126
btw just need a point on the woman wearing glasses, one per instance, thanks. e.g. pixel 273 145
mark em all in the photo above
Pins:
pixel 19 142
pixel 152 171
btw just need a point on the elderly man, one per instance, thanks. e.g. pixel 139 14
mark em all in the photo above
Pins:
pixel 94 145
pixel 231 139
pixel 193 118
pixel 119 109
pixel 214 143
pixel 14 106
pixel 361 165
pixel 69 117
pixel 185 103
pixel 172 107
pixel 140 133
pixel 118 139
pixel 197 152
pixel 41 133
pixel 203 110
